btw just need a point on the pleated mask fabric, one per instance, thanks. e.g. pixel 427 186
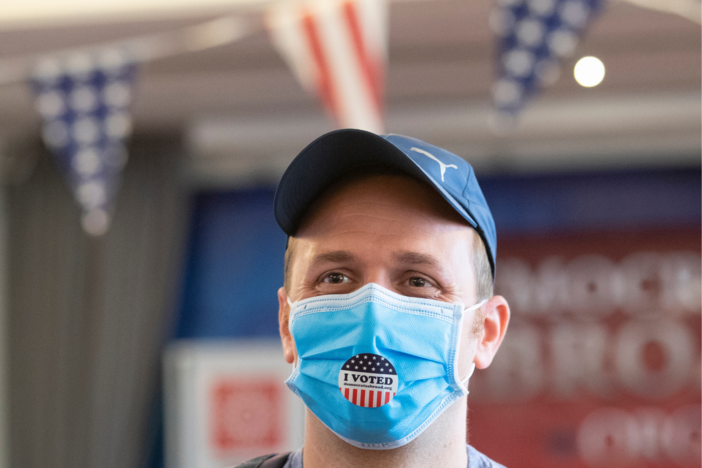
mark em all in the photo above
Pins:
pixel 377 368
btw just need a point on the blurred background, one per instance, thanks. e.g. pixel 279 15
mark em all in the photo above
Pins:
pixel 140 145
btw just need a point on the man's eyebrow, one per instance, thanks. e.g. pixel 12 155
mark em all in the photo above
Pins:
pixel 415 258
pixel 336 256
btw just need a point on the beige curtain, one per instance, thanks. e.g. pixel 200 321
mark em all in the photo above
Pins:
pixel 87 317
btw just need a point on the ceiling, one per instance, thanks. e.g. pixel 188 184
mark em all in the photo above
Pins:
pixel 246 116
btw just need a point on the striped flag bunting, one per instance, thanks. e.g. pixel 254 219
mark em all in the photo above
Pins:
pixel 533 36
pixel 84 102
pixel 338 50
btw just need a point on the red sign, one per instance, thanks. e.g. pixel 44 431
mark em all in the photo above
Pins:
pixel 601 364
pixel 246 414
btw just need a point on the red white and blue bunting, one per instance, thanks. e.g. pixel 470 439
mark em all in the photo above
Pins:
pixel 533 36
pixel 84 101
pixel 84 97
pixel 338 50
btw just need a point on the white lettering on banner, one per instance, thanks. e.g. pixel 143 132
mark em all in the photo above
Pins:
pixel 614 437
pixel 676 342
pixel 682 287
pixel 531 292
pixel 643 269
pixel 578 354
pixel 680 435
pixel 593 286
pixel 608 437
pixel 574 358
pixel 649 423
pixel 517 372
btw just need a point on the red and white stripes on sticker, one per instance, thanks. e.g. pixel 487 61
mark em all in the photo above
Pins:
pixel 337 49
pixel 367 398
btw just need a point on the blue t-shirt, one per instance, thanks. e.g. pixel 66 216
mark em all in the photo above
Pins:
pixel 475 459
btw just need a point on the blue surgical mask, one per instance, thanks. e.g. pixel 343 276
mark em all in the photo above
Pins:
pixel 375 367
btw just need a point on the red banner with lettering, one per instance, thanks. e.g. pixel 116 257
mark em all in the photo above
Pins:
pixel 601 364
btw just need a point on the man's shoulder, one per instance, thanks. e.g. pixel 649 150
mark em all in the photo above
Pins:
pixel 478 460
pixel 266 461
pixel 475 460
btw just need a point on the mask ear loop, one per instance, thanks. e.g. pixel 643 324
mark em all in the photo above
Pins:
pixel 464 381
pixel 473 307
pixel 291 304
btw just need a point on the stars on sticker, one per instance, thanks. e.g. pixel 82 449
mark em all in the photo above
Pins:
pixel 369 363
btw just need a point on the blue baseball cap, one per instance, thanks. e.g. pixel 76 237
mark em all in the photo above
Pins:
pixel 340 152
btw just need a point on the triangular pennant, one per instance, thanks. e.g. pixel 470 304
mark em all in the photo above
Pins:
pixel 338 49
pixel 84 100
pixel 533 36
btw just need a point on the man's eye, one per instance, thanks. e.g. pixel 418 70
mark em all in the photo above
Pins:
pixel 418 282
pixel 335 278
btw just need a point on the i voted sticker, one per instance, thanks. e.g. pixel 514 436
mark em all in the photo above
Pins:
pixel 368 380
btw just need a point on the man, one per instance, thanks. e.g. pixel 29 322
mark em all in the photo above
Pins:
pixel 387 305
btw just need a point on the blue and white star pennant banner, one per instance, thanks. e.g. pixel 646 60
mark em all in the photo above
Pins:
pixel 533 36
pixel 84 100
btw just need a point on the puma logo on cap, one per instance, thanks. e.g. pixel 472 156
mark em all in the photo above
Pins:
pixel 441 165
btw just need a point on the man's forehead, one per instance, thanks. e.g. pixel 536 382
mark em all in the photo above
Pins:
pixel 379 190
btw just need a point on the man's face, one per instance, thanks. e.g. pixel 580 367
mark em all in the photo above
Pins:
pixel 392 231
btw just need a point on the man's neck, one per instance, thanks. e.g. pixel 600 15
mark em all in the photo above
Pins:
pixel 441 445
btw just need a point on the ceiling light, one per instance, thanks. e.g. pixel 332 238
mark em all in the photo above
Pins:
pixel 589 71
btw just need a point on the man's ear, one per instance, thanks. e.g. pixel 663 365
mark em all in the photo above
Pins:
pixel 496 319
pixel 283 318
